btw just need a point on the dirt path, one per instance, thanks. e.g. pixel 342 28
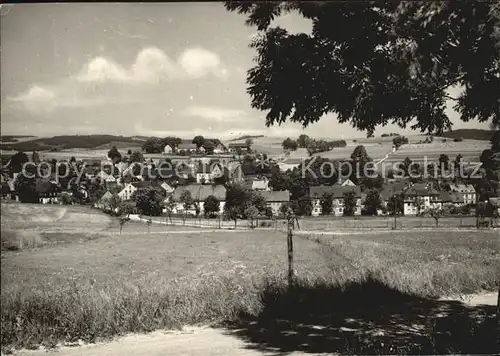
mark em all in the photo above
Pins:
pixel 193 341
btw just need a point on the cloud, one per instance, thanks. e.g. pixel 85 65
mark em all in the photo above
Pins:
pixel 35 94
pixel 36 99
pixel 102 80
pixel 152 65
pixel 101 69
pixel 198 62
pixel 39 100
pixel 216 114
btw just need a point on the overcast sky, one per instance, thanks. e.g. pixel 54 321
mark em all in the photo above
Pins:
pixel 136 69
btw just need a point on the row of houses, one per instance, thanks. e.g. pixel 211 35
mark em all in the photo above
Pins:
pixel 187 148
pixel 416 197
pixel 47 191
pixel 199 193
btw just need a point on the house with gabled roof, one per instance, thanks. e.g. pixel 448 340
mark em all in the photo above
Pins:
pixel 235 147
pixel 128 190
pixel 275 199
pixel 467 190
pixel 392 188
pixel 103 202
pixel 421 196
pixel 207 172
pixel 260 184
pixel 199 192
pixel 168 149
pixel 105 177
pixel 345 182
pixel 220 148
pixel 233 172
pixel 453 198
pixel 185 148
pixel 316 193
pixel 290 164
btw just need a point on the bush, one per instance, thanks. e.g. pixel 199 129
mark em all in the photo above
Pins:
pixel 66 199
pixel 266 224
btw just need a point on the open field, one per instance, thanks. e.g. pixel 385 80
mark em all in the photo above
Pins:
pixel 32 225
pixel 111 284
pixel 376 148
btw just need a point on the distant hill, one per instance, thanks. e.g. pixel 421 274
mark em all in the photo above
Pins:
pixel 13 138
pixel 244 137
pixel 470 134
pixel 71 141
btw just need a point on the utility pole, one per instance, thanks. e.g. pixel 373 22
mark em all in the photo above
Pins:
pixel 396 208
pixel 291 222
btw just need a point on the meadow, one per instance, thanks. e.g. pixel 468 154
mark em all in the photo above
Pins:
pixel 112 284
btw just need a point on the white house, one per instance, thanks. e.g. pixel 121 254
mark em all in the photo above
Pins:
pixel 346 182
pixel 316 193
pixel 219 149
pixel 419 197
pixel 467 190
pixel 167 150
pixel 206 173
pixel 127 191
pixel 108 178
pixel 260 184
pixel 290 164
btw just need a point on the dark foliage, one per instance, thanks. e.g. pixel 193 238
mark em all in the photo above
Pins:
pixel 364 318
pixel 388 62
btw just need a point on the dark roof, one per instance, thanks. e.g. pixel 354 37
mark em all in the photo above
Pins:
pixel 421 189
pixel 456 197
pixel 199 192
pixel 391 188
pixel 276 196
pixel 446 197
pixel 187 146
pixel 317 191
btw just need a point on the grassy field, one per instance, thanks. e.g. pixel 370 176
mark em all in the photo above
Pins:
pixel 88 288
pixel 384 222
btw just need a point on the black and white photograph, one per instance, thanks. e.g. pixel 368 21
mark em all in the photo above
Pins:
pixel 242 178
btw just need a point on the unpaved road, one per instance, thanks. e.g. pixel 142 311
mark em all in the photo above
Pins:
pixel 193 341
